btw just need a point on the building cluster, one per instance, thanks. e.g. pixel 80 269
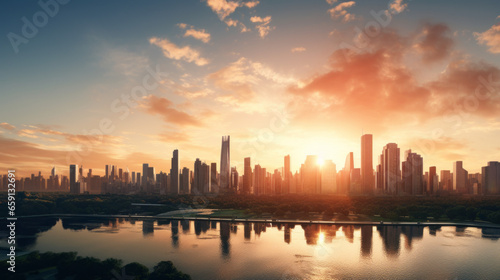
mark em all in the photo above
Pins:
pixel 389 177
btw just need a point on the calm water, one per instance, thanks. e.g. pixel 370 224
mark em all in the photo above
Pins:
pixel 222 250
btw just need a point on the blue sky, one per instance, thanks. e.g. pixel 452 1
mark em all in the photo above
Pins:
pixel 262 57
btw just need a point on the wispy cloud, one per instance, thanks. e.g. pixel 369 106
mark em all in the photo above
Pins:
pixel 166 109
pixel 7 126
pixel 490 38
pixel 397 6
pixel 340 11
pixel 172 51
pixel 298 49
pixel 435 42
pixel 262 25
pixel 200 34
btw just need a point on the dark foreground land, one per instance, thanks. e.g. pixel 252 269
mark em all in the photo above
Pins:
pixel 68 265
pixel 304 207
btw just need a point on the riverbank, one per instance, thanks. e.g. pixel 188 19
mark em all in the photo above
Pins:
pixel 176 216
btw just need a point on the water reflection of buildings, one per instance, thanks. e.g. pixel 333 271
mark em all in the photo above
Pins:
pixel 391 239
pixel 247 229
pixel 148 227
pixel 490 233
pixel 366 240
pixel 174 226
pixel 201 226
pixel 225 229
pixel 412 232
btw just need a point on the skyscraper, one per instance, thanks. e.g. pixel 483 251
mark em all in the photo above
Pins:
pixel 345 174
pixel 328 177
pixel 432 180
pixel 412 175
pixel 174 173
pixel 491 178
pixel 311 176
pixel 225 164
pixel 74 188
pixel 460 178
pixel 197 180
pixel 184 187
pixel 367 179
pixel 214 186
pixel 287 174
pixel 145 168
pixel 247 176
pixel 390 168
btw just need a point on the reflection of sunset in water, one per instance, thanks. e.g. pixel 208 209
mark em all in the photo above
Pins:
pixel 282 251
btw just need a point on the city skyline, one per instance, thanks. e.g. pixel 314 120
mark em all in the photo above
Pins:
pixel 393 175
pixel 177 76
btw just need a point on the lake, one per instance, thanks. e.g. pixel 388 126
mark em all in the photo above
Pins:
pixel 224 250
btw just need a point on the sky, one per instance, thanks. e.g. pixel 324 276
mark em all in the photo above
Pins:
pixel 127 82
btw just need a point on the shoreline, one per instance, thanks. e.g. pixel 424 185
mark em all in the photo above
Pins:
pixel 255 220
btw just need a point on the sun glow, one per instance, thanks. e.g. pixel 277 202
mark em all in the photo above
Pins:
pixel 321 238
pixel 320 161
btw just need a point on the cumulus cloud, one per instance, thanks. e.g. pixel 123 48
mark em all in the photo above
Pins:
pixel 166 109
pixel 234 22
pixel 199 34
pixel 435 42
pixel 375 87
pixel 250 4
pixel 262 25
pixel 340 11
pixel 223 8
pixel 397 6
pixel 490 38
pixel 172 51
pixel 7 126
pixel 298 49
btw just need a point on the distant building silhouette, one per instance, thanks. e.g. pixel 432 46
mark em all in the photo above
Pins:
pixel 367 179
pixel 225 164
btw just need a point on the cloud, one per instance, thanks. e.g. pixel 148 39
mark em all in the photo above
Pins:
pixel 124 62
pixel 397 6
pixel 7 126
pixel 199 34
pixel 223 8
pixel 236 80
pixel 234 22
pixel 490 38
pixel 298 49
pixel 331 2
pixel 250 4
pixel 436 42
pixel 376 88
pixel 165 108
pixel 262 25
pixel 339 11
pixel 182 25
pixel 172 51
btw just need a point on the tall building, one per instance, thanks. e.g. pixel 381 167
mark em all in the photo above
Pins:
pixel 53 172
pixel 344 176
pixel 311 176
pixel 446 181
pixel 491 178
pixel 390 168
pixel 367 179
pixel 412 175
pixel 197 187
pixel 174 173
pixel 214 186
pixel 247 177
pixel 432 180
pixel 145 168
pixel 74 187
pixel 460 178
pixel 329 177
pixel 234 179
pixel 287 174
pixel 184 187
pixel 258 181
pixel 225 163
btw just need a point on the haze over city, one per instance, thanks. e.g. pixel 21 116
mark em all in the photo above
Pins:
pixel 296 77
